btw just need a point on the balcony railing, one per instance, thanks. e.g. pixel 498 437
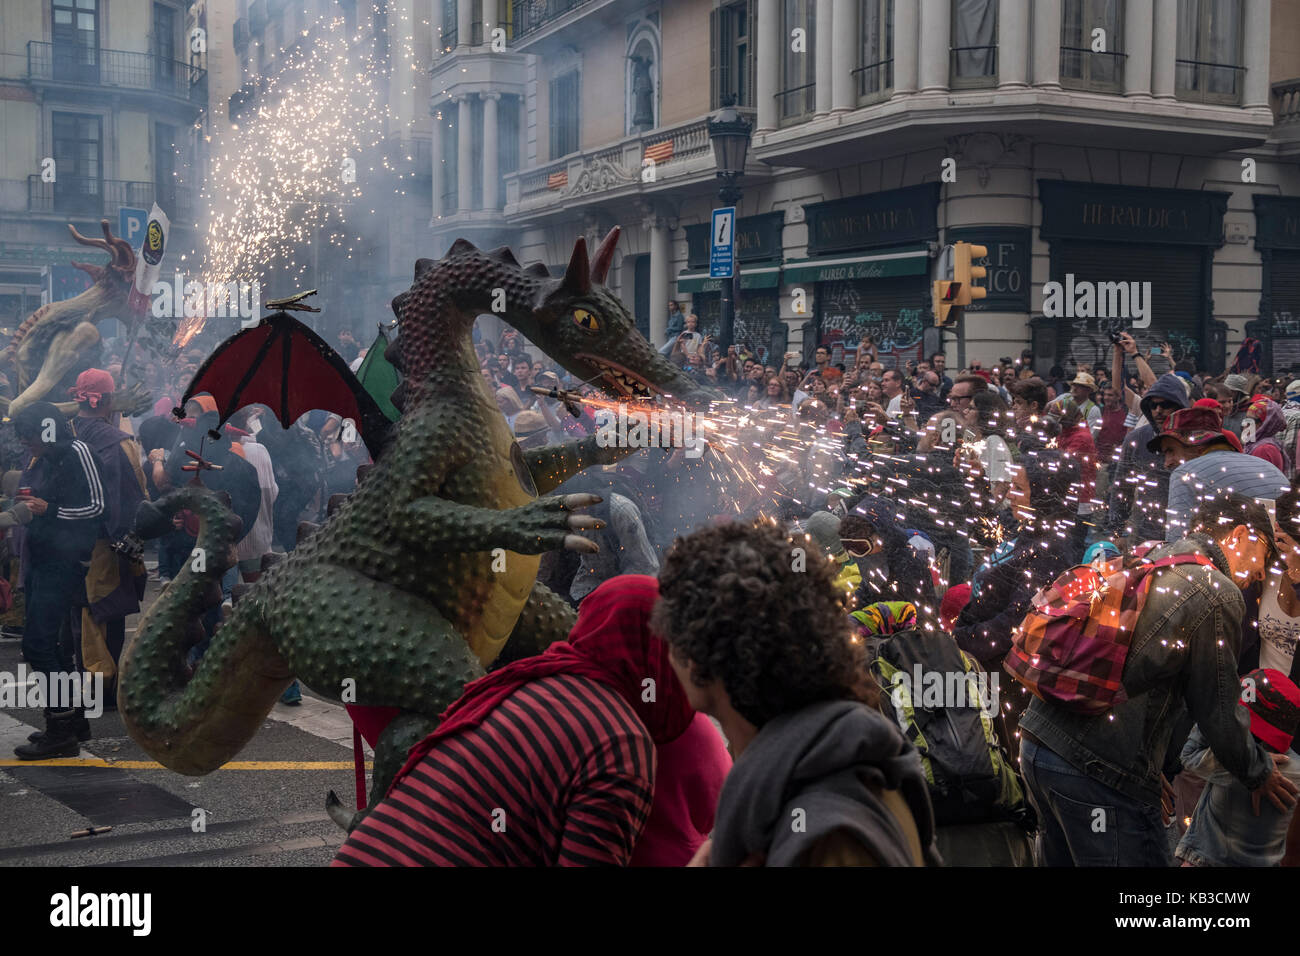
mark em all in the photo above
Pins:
pixel 91 66
pixel 532 15
pixel 96 198
pixel 1286 101
pixel 621 164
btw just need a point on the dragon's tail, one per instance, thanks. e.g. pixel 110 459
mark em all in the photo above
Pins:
pixel 194 726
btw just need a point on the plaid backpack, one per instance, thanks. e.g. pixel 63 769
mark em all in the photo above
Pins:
pixel 1071 647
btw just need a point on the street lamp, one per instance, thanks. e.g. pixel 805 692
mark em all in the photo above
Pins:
pixel 729 132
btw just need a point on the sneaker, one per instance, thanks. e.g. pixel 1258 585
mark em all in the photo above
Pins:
pixel 292 696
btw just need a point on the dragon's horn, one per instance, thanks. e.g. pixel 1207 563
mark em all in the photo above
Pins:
pixel 422 266
pixel 577 277
pixel 121 251
pixel 604 256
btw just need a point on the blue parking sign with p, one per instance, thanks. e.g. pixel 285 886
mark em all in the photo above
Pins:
pixel 131 223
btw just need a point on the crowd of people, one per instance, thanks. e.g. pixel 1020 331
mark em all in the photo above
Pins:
pixel 74 567
pixel 749 679
pixel 945 506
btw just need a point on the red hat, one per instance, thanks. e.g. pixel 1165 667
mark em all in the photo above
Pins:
pixel 954 599
pixel 1274 704
pixel 1195 426
pixel 1209 403
pixel 92 385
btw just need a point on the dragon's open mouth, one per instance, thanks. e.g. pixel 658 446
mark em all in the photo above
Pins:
pixel 620 379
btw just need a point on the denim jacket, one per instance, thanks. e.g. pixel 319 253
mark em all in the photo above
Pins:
pixel 1182 661
pixel 1224 829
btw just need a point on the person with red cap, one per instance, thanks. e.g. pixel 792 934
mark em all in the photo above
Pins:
pixel 1231 826
pixel 115 581
pixel 1207 462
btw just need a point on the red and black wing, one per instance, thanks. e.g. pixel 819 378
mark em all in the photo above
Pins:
pixel 284 365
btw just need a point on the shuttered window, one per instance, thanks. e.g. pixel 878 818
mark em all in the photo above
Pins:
pixel 893 312
pixel 731 53
pixel 565 118
pixel 1284 296
pixel 1178 306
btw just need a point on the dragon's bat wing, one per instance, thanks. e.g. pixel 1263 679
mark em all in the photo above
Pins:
pixel 284 365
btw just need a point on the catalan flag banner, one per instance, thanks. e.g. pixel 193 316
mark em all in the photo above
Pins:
pixel 660 152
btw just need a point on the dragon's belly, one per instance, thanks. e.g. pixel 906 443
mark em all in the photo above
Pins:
pixel 513 575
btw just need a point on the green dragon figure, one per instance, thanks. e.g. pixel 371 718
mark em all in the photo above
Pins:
pixel 400 598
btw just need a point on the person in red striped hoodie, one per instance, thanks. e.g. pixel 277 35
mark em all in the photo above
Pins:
pixel 551 760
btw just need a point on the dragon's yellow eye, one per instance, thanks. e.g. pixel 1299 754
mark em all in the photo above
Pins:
pixel 586 321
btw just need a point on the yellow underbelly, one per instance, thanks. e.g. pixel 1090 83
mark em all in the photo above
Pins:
pixel 513 574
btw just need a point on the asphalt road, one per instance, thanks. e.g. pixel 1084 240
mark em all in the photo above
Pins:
pixel 264 809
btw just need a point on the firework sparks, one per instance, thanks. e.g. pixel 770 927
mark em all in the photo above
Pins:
pixel 287 176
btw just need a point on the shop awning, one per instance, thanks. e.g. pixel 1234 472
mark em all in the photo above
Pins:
pixel 756 275
pixel 883 263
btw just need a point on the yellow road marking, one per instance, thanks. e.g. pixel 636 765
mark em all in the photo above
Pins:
pixel 153 765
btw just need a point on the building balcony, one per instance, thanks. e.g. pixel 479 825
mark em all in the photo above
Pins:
pixel 78 68
pixel 87 197
pixel 916 120
pixel 542 25
pixel 241 34
pixel 642 164
pixel 478 70
pixel 242 101
pixel 257 17
pixel 1286 109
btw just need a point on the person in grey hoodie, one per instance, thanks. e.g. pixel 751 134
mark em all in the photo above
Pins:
pixel 761 643
pixel 1139 489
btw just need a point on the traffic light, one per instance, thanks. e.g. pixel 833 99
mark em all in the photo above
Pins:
pixel 964 253
pixel 944 297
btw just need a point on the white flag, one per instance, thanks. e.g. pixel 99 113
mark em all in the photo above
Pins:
pixel 148 263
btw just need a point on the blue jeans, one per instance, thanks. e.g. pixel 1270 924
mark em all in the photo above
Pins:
pixel 1085 823
pixel 53 589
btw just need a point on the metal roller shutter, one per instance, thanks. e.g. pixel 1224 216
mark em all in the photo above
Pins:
pixel 756 312
pixel 1177 299
pixel 1284 295
pixel 894 312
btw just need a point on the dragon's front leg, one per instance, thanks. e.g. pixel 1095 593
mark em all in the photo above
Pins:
pixel 551 465
pixel 546 524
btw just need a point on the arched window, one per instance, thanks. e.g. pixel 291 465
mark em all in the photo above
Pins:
pixel 642 79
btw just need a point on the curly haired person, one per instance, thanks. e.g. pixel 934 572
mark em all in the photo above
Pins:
pixel 760 641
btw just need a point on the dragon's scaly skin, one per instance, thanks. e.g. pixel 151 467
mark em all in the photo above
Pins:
pixel 395 601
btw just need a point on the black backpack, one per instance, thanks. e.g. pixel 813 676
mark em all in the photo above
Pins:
pixel 950 720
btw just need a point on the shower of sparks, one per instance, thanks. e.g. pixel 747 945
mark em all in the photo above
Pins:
pixel 293 172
